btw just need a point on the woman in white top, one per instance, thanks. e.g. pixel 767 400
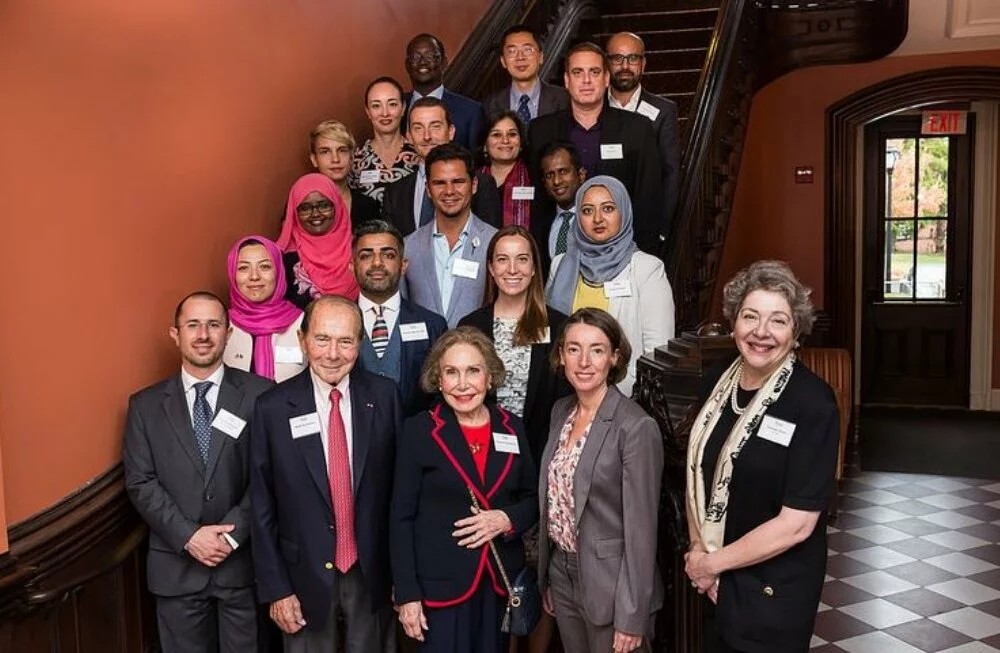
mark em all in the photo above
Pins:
pixel 603 268
pixel 265 325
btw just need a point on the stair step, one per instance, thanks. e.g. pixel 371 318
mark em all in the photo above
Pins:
pixel 671 81
pixel 623 6
pixel 684 102
pixel 680 58
pixel 696 37
pixel 660 20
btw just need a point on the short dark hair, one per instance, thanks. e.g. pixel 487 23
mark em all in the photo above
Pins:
pixel 522 130
pixel 200 294
pixel 556 146
pixel 450 152
pixel 429 37
pixel 371 227
pixel 336 300
pixel 425 102
pixel 585 46
pixel 384 80
pixel 521 28
pixel 595 317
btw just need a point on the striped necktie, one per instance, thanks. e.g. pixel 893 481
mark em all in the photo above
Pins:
pixel 380 332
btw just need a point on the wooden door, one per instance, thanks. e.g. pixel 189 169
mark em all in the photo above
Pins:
pixel 916 265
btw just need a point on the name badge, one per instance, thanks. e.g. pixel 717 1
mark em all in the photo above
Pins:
pixel 523 193
pixel 776 430
pixel 304 425
pixel 229 424
pixel 465 268
pixel 413 331
pixel 612 151
pixel 369 177
pixel 506 443
pixel 648 110
pixel 618 288
pixel 288 354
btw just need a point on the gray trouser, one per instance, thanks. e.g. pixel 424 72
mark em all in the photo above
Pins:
pixel 214 620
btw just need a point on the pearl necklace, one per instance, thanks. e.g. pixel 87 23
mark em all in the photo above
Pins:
pixel 732 395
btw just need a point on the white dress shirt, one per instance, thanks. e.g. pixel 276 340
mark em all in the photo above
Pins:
pixel 321 391
pixel 438 93
pixel 554 229
pixel 390 312
pixel 418 194
pixel 632 104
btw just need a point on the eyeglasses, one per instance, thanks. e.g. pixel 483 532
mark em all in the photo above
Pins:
pixel 305 209
pixel 418 57
pixel 619 59
pixel 524 51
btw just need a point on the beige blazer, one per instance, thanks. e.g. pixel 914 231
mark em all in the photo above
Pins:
pixel 239 351
pixel 616 494
pixel 647 315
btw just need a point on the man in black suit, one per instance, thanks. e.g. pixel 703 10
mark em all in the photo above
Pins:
pixel 398 333
pixel 610 142
pixel 627 60
pixel 425 63
pixel 187 472
pixel 562 175
pixel 406 203
pixel 322 454
pixel 528 96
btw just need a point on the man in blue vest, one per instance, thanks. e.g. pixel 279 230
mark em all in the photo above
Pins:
pixel 398 333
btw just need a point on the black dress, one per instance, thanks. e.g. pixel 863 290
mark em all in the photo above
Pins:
pixel 771 607
pixel 363 208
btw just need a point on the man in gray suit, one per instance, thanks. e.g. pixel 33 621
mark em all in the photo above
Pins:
pixel 187 474
pixel 447 257
pixel 627 60
pixel 521 56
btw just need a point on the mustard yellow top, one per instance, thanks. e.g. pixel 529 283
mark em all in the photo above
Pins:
pixel 587 296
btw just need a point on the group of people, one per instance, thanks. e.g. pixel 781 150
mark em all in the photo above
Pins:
pixel 423 387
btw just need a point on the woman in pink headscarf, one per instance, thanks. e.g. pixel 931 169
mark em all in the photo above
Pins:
pixel 316 240
pixel 265 324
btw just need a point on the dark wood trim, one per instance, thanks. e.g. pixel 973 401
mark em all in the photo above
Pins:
pixel 955 84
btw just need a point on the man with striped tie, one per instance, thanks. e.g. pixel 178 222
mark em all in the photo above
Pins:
pixel 398 334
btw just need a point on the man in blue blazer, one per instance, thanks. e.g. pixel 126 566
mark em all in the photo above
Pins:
pixel 398 333
pixel 323 447
pixel 447 257
pixel 425 63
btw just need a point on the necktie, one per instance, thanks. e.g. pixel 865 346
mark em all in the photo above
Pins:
pixel 202 418
pixel 426 210
pixel 563 235
pixel 341 492
pixel 523 112
pixel 380 332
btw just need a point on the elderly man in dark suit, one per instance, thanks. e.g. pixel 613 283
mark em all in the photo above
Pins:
pixel 187 472
pixel 627 60
pixel 521 56
pixel 322 452
pixel 398 333
pixel 610 142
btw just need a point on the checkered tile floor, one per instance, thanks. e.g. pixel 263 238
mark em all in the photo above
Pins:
pixel 914 566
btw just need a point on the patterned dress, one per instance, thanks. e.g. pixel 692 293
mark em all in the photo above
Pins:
pixel 516 361
pixel 365 159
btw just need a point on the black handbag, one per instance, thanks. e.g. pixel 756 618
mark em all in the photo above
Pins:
pixel 524 601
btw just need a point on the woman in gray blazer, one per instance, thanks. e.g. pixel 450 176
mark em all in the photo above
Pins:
pixel 599 491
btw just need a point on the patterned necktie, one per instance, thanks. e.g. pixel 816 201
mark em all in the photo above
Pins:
pixel 341 492
pixel 380 332
pixel 563 235
pixel 202 418
pixel 523 112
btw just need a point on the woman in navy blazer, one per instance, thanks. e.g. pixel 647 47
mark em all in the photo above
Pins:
pixel 450 592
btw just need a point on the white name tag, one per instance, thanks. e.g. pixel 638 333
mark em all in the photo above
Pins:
pixel 523 192
pixel 465 268
pixel 612 151
pixel 648 110
pixel 413 331
pixel 304 425
pixel 288 354
pixel 229 424
pixel 776 430
pixel 506 443
pixel 369 177
pixel 618 288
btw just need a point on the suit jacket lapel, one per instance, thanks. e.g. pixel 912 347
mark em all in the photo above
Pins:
pixel 426 243
pixel 454 440
pixel 584 475
pixel 497 461
pixel 362 415
pixel 302 402
pixel 559 414
pixel 230 398
pixel 175 406
pixel 407 213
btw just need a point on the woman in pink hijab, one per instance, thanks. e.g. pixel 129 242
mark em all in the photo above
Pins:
pixel 316 240
pixel 265 324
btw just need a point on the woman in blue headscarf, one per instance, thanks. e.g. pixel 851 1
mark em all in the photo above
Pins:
pixel 603 268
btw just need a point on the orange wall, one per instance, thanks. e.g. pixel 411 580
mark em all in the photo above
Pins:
pixel 772 216
pixel 139 140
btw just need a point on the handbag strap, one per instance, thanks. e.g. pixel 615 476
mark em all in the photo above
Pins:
pixel 496 555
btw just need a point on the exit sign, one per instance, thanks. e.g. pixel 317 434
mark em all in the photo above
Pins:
pixel 938 123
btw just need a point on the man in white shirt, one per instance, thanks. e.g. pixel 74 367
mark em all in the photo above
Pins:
pixel 187 473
